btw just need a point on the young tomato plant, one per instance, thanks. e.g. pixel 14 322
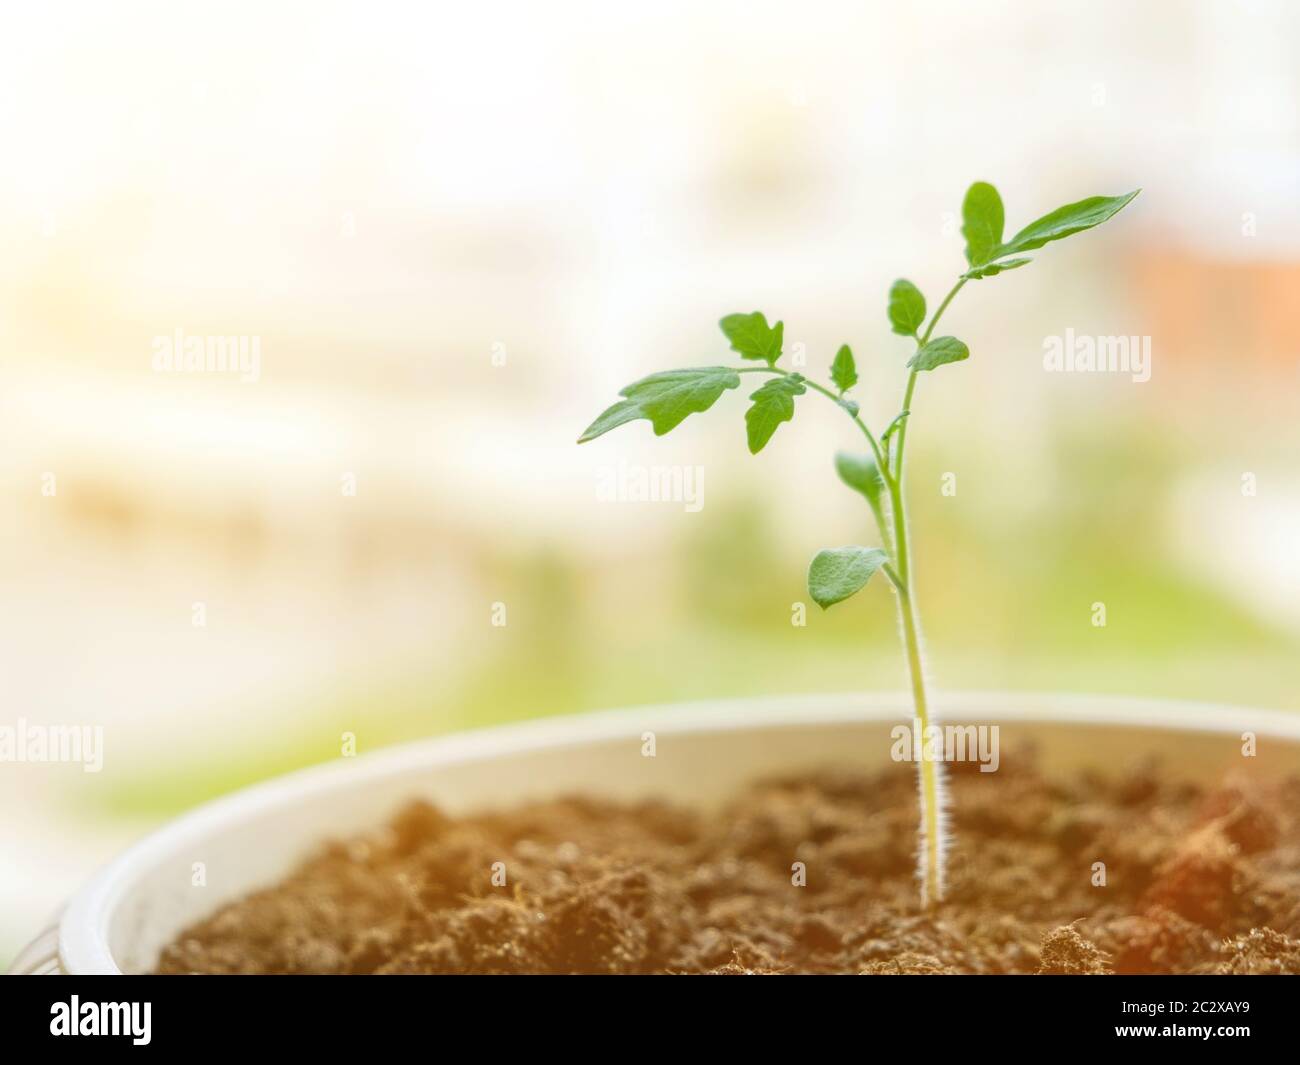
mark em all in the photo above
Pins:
pixel 666 399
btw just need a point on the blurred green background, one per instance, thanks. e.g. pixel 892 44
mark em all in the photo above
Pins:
pixel 452 267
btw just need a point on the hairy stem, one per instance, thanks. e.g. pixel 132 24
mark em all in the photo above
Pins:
pixel 932 841
pixel 930 862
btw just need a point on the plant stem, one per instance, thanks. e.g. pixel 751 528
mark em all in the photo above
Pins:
pixel 931 860
pixel 942 307
pixel 911 377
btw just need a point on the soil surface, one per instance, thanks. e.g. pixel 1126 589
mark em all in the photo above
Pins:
pixel 1196 881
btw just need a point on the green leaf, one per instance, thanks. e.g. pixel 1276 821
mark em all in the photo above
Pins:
pixel 843 370
pixel 861 473
pixel 939 351
pixel 1065 221
pixel 993 269
pixel 773 404
pixel 906 308
pixel 982 220
pixel 665 399
pixel 751 336
pixel 840 572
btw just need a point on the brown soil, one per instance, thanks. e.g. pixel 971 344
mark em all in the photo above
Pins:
pixel 1197 881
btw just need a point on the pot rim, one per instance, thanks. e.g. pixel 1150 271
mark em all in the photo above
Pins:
pixel 83 930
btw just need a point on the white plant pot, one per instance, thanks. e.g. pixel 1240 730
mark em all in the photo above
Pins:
pixel 121 919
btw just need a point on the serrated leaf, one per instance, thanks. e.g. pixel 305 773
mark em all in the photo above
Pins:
pixel 1066 221
pixel 665 399
pixel 773 404
pixel 843 370
pixel 982 221
pixel 937 352
pixel 861 473
pixel 906 308
pixel 840 572
pixel 752 337
pixel 993 269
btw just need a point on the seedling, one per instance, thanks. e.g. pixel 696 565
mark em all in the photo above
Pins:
pixel 666 399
